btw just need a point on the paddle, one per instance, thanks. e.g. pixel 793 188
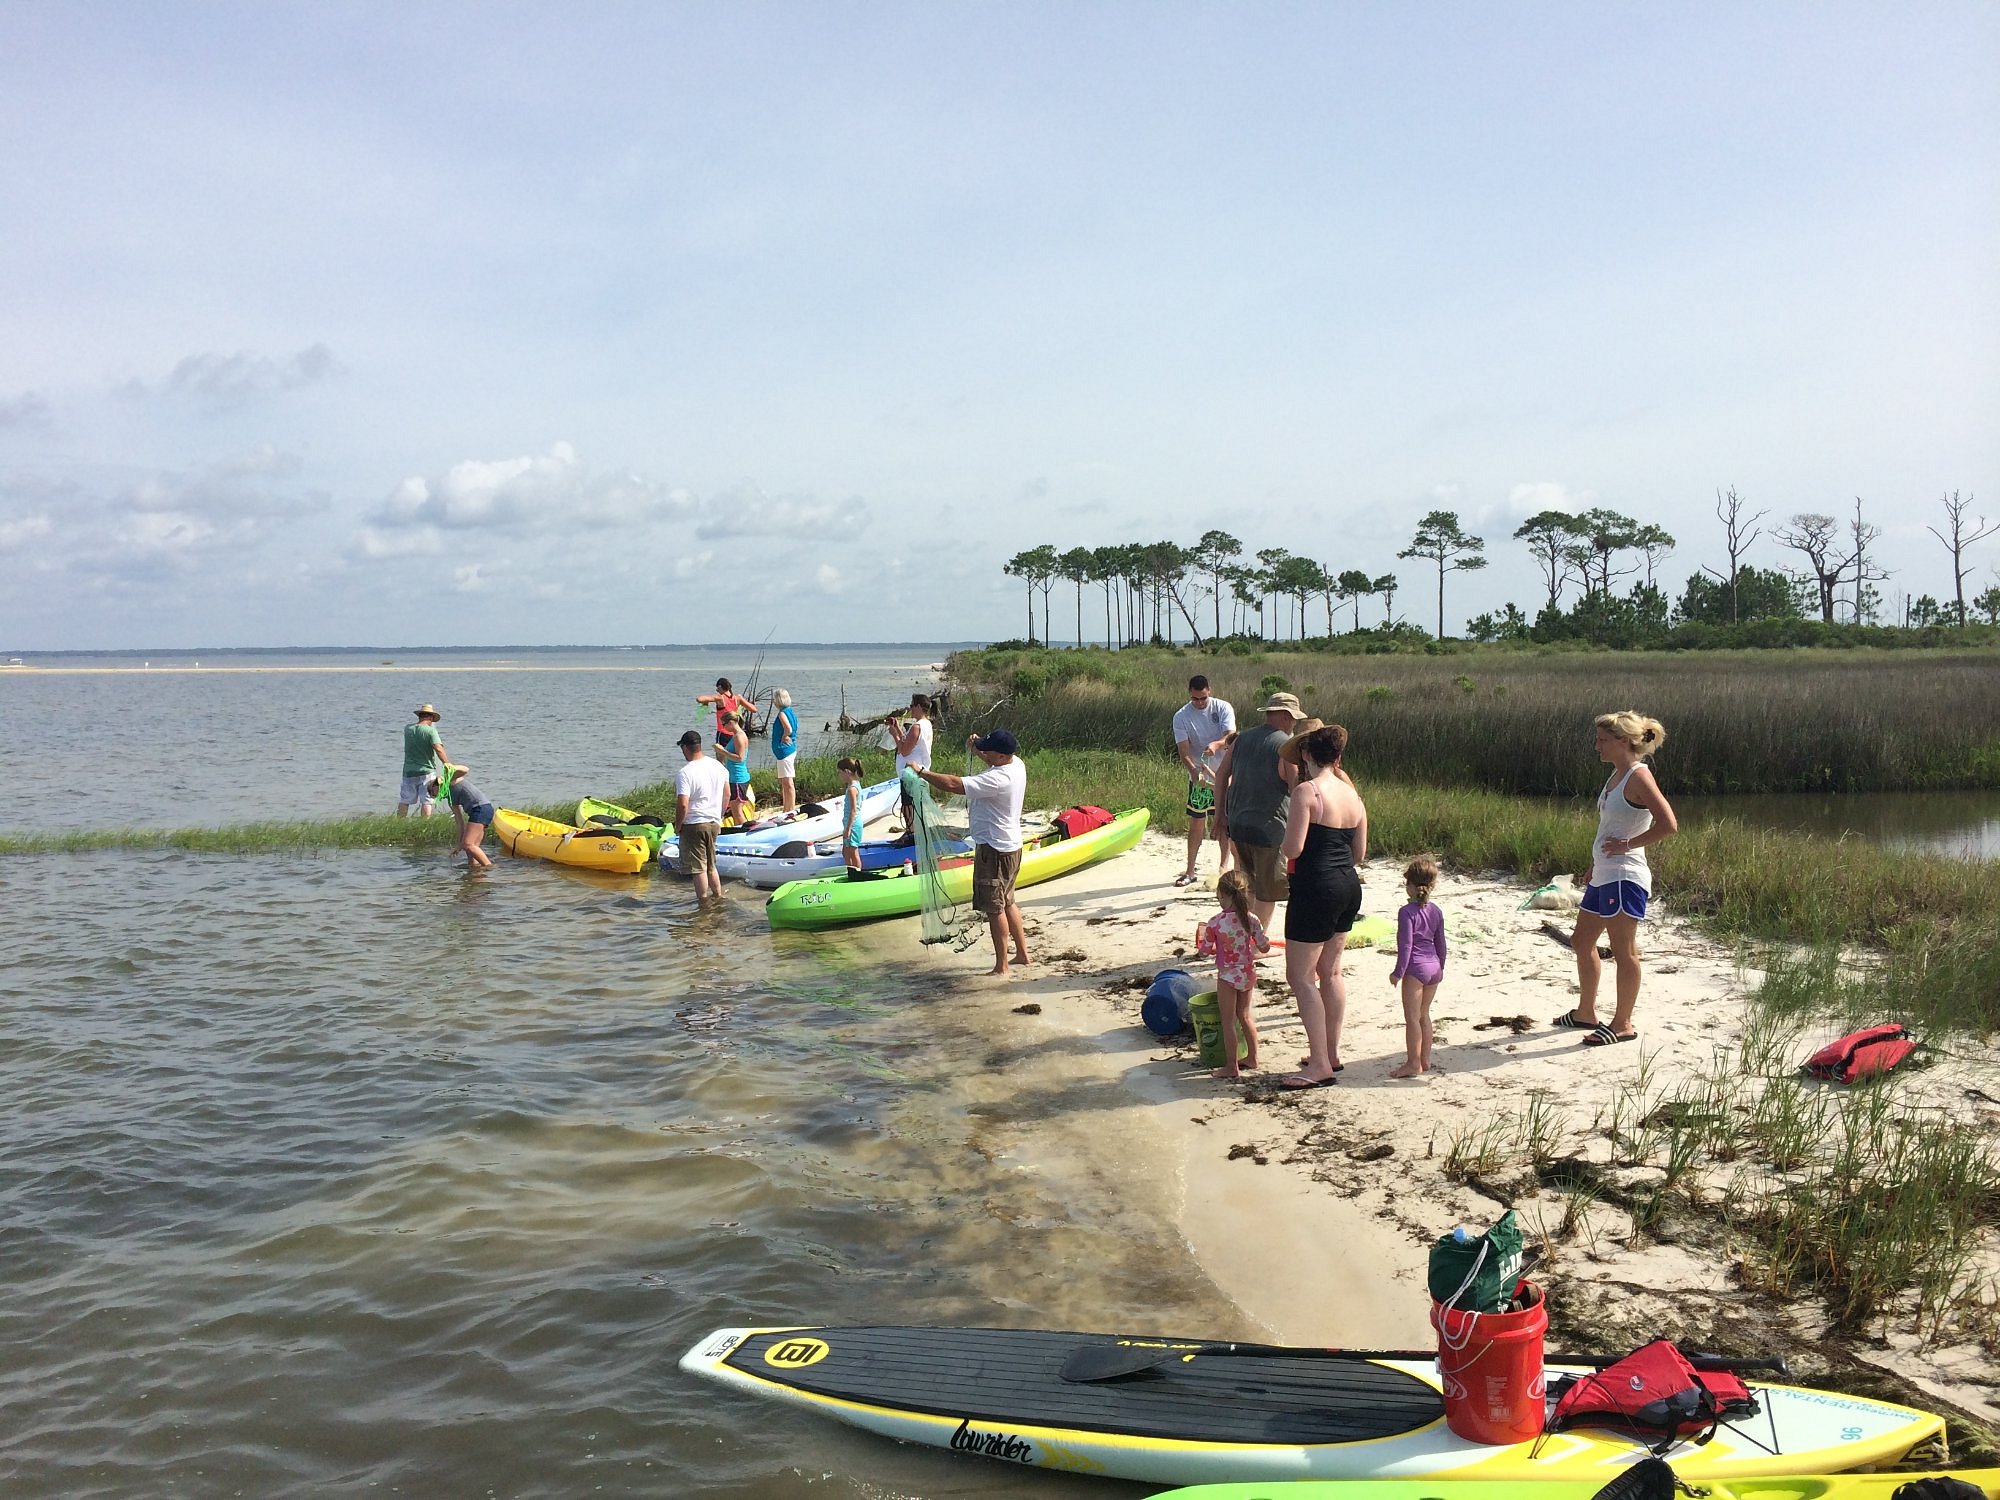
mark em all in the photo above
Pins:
pixel 1090 1363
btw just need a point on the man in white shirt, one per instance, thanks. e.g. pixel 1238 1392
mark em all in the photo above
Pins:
pixel 993 800
pixel 1201 726
pixel 910 737
pixel 699 788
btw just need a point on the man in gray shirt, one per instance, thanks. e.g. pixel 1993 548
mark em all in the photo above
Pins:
pixel 1200 728
pixel 1253 793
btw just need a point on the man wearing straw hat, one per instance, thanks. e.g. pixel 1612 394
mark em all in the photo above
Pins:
pixel 423 756
pixel 1253 790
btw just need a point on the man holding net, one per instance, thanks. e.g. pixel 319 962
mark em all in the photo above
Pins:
pixel 993 799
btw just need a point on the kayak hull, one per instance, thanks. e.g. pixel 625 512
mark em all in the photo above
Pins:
pixel 769 871
pixel 1207 1419
pixel 584 848
pixel 1764 1487
pixel 835 901
pixel 809 824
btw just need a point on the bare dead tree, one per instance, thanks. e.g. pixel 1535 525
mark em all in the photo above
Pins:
pixel 1741 531
pixel 1816 537
pixel 1864 572
pixel 1963 535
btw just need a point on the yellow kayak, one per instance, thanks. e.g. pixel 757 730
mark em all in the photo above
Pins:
pixel 586 848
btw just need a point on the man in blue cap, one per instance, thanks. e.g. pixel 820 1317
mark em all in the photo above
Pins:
pixel 993 799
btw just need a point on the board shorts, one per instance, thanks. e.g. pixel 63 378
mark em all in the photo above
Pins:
pixel 787 764
pixel 1201 799
pixel 698 848
pixel 1266 868
pixel 1616 898
pixel 993 875
pixel 413 792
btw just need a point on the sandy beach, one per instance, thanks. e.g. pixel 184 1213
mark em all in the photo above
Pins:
pixel 1314 1210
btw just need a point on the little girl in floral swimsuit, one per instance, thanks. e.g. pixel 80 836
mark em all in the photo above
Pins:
pixel 1235 937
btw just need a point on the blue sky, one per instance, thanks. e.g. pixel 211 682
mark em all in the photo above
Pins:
pixel 494 323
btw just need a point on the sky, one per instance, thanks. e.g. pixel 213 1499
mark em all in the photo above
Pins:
pixel 442 324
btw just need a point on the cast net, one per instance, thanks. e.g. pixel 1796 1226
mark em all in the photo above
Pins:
pixel 945 920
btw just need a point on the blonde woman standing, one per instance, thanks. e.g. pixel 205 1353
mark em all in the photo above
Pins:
pixel 1632 815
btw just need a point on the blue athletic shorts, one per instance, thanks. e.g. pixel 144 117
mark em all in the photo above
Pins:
pixel 1616 898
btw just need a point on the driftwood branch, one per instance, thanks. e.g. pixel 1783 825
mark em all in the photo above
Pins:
pixel 1567 937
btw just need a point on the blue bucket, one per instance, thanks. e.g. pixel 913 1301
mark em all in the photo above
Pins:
pixel 1165 1008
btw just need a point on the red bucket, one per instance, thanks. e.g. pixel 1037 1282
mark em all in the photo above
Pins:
pixel 1491 1367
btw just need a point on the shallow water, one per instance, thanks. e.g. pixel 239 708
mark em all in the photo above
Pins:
pixel 357 1173
pixel 105 742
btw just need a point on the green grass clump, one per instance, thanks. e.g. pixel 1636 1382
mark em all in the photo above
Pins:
pixel 384 831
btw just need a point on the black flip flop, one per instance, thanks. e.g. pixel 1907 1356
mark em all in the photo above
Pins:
pixel 1604 1036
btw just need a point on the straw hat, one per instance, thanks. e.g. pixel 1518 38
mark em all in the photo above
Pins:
pixel 428 712
pixel 1295 747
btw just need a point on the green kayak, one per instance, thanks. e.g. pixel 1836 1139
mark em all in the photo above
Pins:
pixel 623 821
pixel 836 901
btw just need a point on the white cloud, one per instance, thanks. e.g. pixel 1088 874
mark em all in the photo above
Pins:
pixel 531 492
pixel 373 543
pixel 242 484
pixel 748 511
pixel 467 579
pixel 232 379
pixel 828 579
pixel 15 535
pixel 1525 500
pixel 27 412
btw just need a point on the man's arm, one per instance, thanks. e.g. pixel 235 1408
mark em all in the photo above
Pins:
pixel 1222 771
pixel 953 784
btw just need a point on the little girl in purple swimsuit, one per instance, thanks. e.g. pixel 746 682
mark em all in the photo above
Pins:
pixel 1420 954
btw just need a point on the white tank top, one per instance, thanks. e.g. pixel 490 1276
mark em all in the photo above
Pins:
pixel 1619 819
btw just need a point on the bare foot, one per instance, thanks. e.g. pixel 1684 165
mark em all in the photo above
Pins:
pixel 1408 1070
pixel 1227 1073
pixel 999 971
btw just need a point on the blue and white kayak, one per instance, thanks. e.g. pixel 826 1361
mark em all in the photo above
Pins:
pixel 812 823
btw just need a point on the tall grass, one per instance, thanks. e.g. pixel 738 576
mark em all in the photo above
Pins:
pixel 1775 721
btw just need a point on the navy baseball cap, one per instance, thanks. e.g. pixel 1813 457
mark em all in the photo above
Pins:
pixel 999 742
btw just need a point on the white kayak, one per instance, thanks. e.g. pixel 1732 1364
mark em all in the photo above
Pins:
pixel 791 837
pixel 769 871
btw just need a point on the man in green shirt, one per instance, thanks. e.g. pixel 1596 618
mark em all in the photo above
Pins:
pixel 423 753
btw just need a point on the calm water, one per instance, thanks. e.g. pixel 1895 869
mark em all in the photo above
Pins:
pixel 320 734
pixel 1963 825
pixel 357 1174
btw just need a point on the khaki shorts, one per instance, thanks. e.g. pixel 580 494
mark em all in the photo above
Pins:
pixel 698 848
pixel 993 879
pixel 1265 866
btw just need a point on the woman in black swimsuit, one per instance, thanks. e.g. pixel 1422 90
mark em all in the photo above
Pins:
pixel 1326 841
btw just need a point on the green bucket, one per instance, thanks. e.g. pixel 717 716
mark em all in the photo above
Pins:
pixel 1206 1014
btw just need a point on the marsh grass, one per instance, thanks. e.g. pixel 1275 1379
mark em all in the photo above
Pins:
pixel 1745 721
pixel 1847 1193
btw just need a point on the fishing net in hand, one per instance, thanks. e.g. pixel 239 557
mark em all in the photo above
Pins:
pixel 944 920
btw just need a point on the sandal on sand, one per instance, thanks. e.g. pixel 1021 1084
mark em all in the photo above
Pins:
pixel 1297 1081
pixel 1567 1021
pixel 1604 1036
pixel 1184 880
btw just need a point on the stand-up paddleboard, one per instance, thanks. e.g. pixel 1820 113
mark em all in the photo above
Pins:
pixel 835 901
pixel 1196 1418
pixel 1767 1487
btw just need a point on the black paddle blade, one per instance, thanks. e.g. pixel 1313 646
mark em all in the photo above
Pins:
pixel 1091 1363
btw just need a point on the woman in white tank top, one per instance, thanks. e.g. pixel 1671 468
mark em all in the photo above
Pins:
pixel 1632 813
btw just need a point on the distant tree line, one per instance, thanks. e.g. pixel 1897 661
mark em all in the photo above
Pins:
pixel 1608 561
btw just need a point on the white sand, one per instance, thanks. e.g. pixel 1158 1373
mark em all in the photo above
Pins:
pixel 1317 1233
